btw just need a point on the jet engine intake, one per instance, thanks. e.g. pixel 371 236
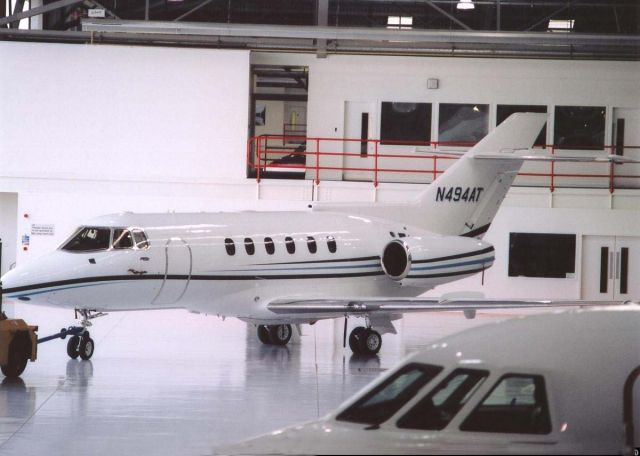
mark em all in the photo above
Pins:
pixel 396 260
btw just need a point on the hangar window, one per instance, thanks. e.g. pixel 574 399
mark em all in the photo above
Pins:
pixel 505 111
pixel 122 239
pixel 516 405
pixel 249 246
pixel 89 239
pixel 436 410
pixel 140 239
pixel 387 398
pixel 579 127
pixel 331 244
pixel 463 123
pixel 269 246
pixel 311 243
pixel 405 123
pixel 230 246
pixel 290 244
pixel 542 255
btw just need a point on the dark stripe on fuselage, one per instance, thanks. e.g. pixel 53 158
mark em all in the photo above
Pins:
pixel 454 257
pixel 444 274
pixel 478 231
pixel 342 260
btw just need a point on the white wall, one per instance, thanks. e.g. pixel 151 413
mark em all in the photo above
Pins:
pixel 122 112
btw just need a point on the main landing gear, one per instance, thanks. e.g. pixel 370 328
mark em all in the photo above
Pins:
pixel 274 334
pixel 365 341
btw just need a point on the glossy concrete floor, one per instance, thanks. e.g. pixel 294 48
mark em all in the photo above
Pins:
pixel 174 383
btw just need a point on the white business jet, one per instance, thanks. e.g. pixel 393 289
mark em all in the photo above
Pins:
pixel 277 269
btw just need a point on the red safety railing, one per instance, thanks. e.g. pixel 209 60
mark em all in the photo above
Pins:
pixel 266 153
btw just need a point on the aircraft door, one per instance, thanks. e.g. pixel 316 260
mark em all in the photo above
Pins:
pixel 177 273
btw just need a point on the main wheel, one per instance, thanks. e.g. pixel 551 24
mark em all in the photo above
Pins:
pixel 371 343
pixel 279 334
pixel 86 348
pixel 18 357
pixel 263 334
pixel 355 337
pixel 72 347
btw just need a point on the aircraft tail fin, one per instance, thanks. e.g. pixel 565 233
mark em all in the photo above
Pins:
pixel 465 198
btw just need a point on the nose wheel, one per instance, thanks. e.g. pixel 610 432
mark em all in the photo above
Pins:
pixel 274 334
pixel 365 341
pixel 82 346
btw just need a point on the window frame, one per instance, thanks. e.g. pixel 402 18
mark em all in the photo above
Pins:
pixel 114 240
pixel 144 234
pixel 269 245
pixel 249 246
pixel 82 228
pixel 514 265
pixel 386 112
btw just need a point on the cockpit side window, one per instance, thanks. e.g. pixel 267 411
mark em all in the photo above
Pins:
pixel 140 239
pixel 122 239
pixel 386 399
pixel 517 404
pixel 89 239
pixel 436 410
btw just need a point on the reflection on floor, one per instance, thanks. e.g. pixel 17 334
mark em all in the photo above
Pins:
pixel 169 382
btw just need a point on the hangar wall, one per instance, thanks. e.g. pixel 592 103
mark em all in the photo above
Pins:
pixel 123 112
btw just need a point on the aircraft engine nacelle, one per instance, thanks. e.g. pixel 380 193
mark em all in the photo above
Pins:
pixel 427 262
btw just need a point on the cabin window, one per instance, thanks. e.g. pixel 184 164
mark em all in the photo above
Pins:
pixel 386 399
pixel 89 239
pixel 463 123
pixel 311 243
pixel 290 244
pixel 140 239
pixel 504 111
pixel 249 246
pixel 405 123
pixel 516 405
pixel 269 246
pixel 542 255
pixel 331 243
pixel 122 239
pixel 579 127
pixel 436 410
pixel 230 246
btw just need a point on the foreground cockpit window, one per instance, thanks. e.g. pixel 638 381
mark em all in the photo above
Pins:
pixel 388 397
pixel 122 239
pixel 437 409
pixel 89 239
pixel 517 404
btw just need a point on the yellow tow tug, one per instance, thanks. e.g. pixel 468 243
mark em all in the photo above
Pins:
pixel 18 344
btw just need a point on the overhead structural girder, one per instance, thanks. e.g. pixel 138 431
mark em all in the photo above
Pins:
pixel 346 40
pixel 19 15
pixel 446 14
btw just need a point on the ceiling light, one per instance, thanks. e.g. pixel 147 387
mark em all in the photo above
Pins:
pixel 561 25
pixel 465 5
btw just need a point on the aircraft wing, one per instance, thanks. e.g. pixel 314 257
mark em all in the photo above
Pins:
pixel 328 308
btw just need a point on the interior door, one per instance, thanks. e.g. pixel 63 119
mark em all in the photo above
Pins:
pixel 359 127
pixel 177 274
pixel 608 266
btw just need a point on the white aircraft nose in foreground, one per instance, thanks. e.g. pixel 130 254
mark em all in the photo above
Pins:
pixel 275 269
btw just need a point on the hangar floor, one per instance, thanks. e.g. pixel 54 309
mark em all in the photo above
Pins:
pixel 169 382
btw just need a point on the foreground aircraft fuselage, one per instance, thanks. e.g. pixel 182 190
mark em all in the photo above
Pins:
pixel 233 264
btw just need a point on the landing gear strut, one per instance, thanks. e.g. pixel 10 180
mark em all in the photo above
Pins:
pixel 274 334
pixel 365 341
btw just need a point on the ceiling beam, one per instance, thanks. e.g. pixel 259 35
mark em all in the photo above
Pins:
pixel 38 10
pixel 446 14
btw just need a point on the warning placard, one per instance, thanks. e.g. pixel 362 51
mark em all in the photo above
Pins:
pixel 43 230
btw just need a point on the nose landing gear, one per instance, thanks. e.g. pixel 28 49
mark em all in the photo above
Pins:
pixel 81 344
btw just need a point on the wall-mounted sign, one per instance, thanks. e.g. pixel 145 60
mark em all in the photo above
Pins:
pixel 96 12
pixel 43 230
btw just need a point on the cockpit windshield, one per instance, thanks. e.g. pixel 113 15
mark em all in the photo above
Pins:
pixel 89 239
